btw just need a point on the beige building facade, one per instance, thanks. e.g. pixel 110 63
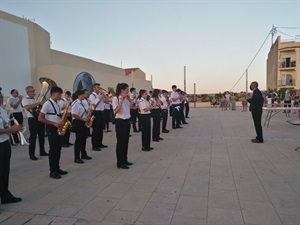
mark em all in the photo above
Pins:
pixel 283 65
pixel 26 56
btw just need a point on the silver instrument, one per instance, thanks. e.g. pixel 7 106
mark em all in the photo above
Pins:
pixel 20 134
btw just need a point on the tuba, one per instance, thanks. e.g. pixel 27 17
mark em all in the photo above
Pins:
pixel 90 117
pixel 65 123
pixel 47 84
pixel 20 134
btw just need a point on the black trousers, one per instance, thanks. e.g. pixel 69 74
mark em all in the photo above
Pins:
pixel 80 141
pixel 133 116
pixel 36 128
pixel 256 115
pixel 175 115
pixel 98 126
pixel 187 109
pixel 122 133
pixel 66 137
pixel 5 154
pixel 156 124
pixel 55 142
pixel 106 118
pixel 164 115
pixel 182 118
pixel 146 129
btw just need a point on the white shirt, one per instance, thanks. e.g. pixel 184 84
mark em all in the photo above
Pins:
pixel 63 103
pixel 12 101
pixel 108 105
pixel 94 98
pixel 174 95
pixel 79 109
pixel 3 123
pixel 124 112
pixel 156 103
pixel 164 101
pixel 28 101
pixel 51 111
pixel 144 104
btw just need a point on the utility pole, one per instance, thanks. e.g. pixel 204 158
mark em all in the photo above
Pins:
pixel 195 95
pixel 273 31
pixel 246 83
pixel 184 79
pixel 151 83
pixel 132 85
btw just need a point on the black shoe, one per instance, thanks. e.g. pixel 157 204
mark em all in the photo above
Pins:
pixel 159 138
pixel 135 131
pixel 44 154
pixel 61 172
pixel 70 144
pixel 257 141
pixel 155 140
pixel 187 117
pixel 78 161
pixel 10 200
pixel 128 163
pixel 65 145
pixel 103 146
pixel 55 175
pixel 165 131
pixel 96 149
pixel 145 149
pixel 185 123
pixel 174 128
pixel 130 135
pixel 32 157
pixel 178 127
pixel 150 148
pixel 123 166
pixel 86 157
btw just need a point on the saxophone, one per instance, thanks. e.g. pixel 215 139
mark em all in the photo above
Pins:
pixel 90 117
pixel 65 123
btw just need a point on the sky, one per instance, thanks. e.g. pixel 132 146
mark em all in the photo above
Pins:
pixel 216 40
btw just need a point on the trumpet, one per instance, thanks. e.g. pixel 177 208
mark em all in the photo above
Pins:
pixel 20 134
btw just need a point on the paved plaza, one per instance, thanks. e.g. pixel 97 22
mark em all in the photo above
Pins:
pixel 208 173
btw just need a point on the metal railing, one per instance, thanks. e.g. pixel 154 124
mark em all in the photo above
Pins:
pixel 287 64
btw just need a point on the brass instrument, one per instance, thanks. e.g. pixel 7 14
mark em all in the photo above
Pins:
pixel 20 134
pixel 47 84
pixel 65 123
pixel 90 117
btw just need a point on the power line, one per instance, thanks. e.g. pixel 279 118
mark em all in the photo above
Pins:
pixel 253 59
pixel 285 34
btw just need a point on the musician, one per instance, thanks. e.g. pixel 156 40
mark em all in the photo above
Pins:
pixel 107 111
pixel 164 110
pixel 51 116
pixel 63 103
pixel 35 127
pixel 79 115
pixel 14 101
pixel 5 155
pixel 181 109
pixel 133 110
pixel 145 110
pixel 98 99
pixel 156 103
pixel 175 99
pixel 86 103
pixel 121 105
pixel 187 105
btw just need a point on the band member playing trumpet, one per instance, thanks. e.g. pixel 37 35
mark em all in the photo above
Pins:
pixel 145 110
pixel 156 104
pixel 5 155
pixel 98 98
pixel 121 105
pixel 164 110
pixel 15 103
pixel 50 115
pixel 35 127
pixel 176 102
pixel 79 115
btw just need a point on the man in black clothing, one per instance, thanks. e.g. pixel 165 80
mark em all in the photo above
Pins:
pixel 256 104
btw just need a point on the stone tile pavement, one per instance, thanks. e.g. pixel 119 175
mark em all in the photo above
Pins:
pixel 208 173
